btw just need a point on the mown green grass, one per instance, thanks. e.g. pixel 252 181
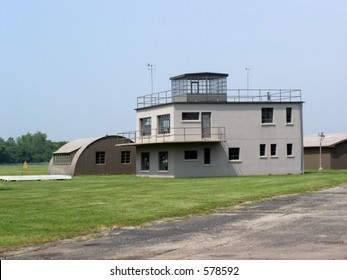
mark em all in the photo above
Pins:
pixel 36 212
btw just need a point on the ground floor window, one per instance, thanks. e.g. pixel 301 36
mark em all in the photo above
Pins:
pixel 289 149
pixel 207 156
pixel 61 159
pixel 144 161
pixel 163 161
pixel 100 158
pixel 125 157
pixel 262 149
pixel 273 150
pixel 234 153
pixel 190 155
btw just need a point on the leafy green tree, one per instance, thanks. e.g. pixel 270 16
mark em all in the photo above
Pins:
pixel 29 147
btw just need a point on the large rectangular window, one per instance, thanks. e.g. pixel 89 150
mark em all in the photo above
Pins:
pixel 100 158
pixel 146 126
pixel 262 149
pixel 190 155
pixel 273 150
pixel 234 153
pixel 163 161
pixel 61 159
pixel 267 115
pixel 144 161
pixel 289 117
pixel 125 157
pixel 190 116
pixel 164 124
pixel 207 156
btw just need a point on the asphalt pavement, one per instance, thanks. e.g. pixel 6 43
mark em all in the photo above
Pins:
pixel 301 226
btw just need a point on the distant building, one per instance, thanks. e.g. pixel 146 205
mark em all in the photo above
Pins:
pixel 94 156
pixel 334 151
pixel 201 128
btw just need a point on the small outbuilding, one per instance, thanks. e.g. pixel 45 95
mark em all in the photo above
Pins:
pixel 334 151
pixel 94 156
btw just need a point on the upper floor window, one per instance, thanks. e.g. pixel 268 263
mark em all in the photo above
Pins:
pixel 234 153
pixel 146 126
pixel 289 117
pixel 194 86
pixel 267 115
pixel 190 116
pixel 164 124
pixel 100 157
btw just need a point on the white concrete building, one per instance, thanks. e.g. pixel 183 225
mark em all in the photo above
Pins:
pixel 200 128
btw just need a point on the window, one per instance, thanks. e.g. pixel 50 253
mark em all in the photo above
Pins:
pixel 61 159
pixel 267 115
pixel 100 158
pixel 190 155
pixel 194 87
pixel 163 161
pixel 146 126
pixel 144 161
pixel 234 153
pixel 125 157
pixel 289 115
pixel 164 124
pixel 207 156
pixel 289 149
pixel 190 116
pixel 273 150
pixel 262 151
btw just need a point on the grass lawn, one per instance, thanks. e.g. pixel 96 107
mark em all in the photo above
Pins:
pixel 36 212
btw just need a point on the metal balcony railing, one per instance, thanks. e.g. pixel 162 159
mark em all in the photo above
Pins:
pixel 232 95
pixel 176 134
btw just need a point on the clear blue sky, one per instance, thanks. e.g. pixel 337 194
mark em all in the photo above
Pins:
pixel 73 69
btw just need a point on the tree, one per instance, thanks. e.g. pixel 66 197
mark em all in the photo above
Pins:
pixel 28 147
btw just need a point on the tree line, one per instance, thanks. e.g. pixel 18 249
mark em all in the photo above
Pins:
pixel 29 147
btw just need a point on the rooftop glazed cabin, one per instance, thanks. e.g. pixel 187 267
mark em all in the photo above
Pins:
pixel 202 128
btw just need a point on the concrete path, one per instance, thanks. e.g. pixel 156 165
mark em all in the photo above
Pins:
pixel 303 226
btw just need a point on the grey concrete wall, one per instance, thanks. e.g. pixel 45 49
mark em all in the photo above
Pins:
pixel 242 122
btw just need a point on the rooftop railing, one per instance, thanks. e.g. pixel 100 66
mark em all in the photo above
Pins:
pixel 232 95
pixel 176 134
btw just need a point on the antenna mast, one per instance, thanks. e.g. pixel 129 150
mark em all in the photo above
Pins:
pixel 151 67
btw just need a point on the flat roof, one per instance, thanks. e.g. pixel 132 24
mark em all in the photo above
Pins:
pixel 200 75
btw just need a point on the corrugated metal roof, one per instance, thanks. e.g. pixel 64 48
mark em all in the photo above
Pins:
pixel 330 140
pixel 75 145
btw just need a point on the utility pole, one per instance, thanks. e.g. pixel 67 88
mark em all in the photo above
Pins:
pixel 151 68
pixel 321 138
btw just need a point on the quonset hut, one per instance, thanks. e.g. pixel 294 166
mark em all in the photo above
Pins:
pixel 94 156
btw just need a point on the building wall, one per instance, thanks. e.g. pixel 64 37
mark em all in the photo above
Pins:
pixel 332 157
pixel 243 127
pixel 84 159
pixel 86 164
pixel 312 158
pixel 339 156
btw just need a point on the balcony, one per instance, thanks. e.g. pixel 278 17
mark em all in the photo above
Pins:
pixel 232 95
pixel 175 135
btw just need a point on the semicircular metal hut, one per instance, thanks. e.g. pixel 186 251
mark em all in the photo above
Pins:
pixel 94 156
